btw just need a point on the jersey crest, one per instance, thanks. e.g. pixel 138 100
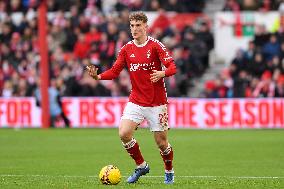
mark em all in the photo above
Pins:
pixel 148 54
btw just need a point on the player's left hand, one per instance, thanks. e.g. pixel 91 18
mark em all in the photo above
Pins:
pixel 157 75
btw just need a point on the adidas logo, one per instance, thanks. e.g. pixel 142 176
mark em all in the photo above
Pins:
pixel 132 56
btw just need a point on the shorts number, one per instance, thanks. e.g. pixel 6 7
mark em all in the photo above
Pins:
pixel 163 118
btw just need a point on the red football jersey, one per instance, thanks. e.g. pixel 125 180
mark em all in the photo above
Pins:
pixel 141 60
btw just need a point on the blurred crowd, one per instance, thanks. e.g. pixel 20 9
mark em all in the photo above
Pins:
pixel 82 32
pixel 255 72
pixel 106 6
pixel 253 5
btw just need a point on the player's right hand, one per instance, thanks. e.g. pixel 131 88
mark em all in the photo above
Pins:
pixel 92 71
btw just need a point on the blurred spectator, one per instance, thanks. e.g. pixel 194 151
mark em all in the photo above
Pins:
pixel 58 37
pixel 241 84
pixel 6 33
pixel 282 51
pixel 81 47
pixel 94 35
pixel 7 89
pixel 209 90
pixel 271 48
pixel 52 5
pixel 204 34
pixel 231 5
pixel 177 86
pixel 136 5
pixel 197 51
pixel 221 89
pixel 71 36
pixel 257 66
pixel 261 36
pixel 153 5
pixel 249 5
pixel 15 6
pixel 279 88
pixel 265 88
pixel 59 19
pixel 173 5
pixel 228 82
pixel 239 61
pixel 193 5
pixel 89 87
pixel 124 83
pixel 252 5
pixel 249 54
pixel 55 104
pixel 123 38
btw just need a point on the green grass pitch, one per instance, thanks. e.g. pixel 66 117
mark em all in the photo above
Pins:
pixel 72 158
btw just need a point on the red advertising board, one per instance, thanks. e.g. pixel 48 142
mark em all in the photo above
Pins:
pixel 183 112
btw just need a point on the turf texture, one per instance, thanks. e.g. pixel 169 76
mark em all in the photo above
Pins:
pixel 72 158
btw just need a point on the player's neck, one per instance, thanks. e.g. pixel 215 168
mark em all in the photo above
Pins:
pixel 140 41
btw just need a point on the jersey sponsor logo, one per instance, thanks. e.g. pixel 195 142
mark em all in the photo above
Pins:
pixel 141 66
pixel 132 56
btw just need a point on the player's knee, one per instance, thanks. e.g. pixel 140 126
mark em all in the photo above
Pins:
pixel 124 136
pixel 162 144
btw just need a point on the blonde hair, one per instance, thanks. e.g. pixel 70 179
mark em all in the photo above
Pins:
pixel 141 16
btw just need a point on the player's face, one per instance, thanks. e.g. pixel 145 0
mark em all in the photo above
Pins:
pixel 138 29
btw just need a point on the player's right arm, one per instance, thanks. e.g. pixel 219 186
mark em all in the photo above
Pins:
pixel 113 72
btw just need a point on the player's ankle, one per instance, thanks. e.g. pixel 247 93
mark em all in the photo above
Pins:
pixel 142 165
pixel 169 171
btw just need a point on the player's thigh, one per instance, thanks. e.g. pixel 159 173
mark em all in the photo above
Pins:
pixel 132 112
pixel 131 118
pixel 127 128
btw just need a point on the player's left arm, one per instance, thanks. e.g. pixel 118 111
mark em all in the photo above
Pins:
pixel 166 60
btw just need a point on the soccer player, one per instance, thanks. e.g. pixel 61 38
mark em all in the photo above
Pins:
pixel 145 58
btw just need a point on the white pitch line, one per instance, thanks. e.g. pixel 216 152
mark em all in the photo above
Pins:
pixel 154 176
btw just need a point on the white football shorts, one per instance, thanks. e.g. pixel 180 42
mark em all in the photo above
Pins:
pixel 157 116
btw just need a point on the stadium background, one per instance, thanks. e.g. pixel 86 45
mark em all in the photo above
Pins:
pixel 230 60
pixel 224 55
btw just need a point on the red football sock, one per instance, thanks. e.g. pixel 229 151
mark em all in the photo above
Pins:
pixel 133 150
pixel 168 156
